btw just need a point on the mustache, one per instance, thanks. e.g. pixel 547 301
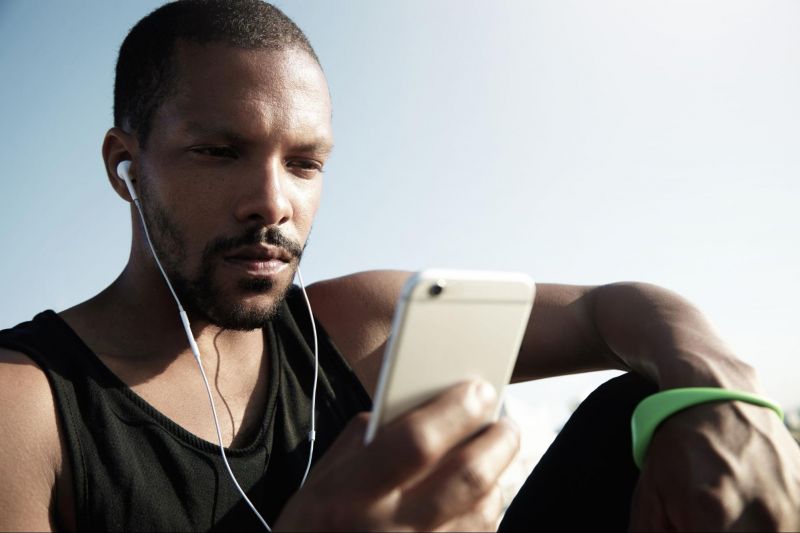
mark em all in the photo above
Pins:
pixel 253 236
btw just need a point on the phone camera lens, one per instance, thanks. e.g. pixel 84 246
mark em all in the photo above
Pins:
pixel 437 288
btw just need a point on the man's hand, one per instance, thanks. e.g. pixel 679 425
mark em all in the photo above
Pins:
pixel 716 467
pixel 435 468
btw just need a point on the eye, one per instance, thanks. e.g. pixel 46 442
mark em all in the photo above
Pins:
pixel 305 166
pixel 215 151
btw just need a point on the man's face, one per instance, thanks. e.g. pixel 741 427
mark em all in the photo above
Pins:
pixel 231 177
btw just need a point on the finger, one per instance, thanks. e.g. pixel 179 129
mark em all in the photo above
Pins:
pixel 463 478
pixel 405 447
pixel 484 516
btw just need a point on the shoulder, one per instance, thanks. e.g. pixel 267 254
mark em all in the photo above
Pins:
pixel 31 456
pixel 371 294
pixel 25 394
pixel 356 311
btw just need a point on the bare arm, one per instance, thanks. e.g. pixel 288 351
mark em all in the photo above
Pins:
pixel 629 326
pixel 30 456
pixel 723 465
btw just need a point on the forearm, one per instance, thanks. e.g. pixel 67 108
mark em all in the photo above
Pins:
pixel 637 327
pixel 713 467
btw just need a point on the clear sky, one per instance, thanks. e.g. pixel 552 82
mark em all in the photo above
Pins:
pixel 580 141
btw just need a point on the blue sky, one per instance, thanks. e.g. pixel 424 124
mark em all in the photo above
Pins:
pixel 580 141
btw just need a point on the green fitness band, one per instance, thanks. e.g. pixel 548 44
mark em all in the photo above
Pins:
pixel 656 408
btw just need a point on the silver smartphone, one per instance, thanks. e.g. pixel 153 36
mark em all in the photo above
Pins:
pixel 451 326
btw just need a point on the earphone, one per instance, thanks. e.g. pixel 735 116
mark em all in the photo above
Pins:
pixel 123 172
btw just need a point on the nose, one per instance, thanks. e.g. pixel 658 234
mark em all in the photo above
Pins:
pixel 264 199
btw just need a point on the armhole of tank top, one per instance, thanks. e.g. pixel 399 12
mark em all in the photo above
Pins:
pixel 299 312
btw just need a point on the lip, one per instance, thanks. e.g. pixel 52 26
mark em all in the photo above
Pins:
pixel 259 260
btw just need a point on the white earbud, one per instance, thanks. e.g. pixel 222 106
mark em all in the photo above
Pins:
pixel 123 171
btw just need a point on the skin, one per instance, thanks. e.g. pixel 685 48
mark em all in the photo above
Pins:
pixel 241 145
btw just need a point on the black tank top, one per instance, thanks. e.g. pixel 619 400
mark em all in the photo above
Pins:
pixel 134 469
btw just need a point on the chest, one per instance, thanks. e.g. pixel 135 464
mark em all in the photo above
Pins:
pixel 177 391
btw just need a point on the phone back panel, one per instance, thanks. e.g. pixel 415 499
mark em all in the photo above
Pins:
pixel 472 329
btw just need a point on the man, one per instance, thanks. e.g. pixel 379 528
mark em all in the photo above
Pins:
pixel 223 111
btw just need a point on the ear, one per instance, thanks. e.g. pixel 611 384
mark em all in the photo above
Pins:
pixel 118 146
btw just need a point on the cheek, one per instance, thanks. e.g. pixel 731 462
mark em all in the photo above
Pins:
pixel 306 204
pixel 197 222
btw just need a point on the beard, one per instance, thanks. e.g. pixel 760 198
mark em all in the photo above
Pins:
pixel 201 295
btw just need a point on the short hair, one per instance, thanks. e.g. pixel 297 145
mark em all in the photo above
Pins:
pixel 147 72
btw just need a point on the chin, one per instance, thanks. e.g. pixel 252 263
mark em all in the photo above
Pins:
pixel 249 306
pixel 245 315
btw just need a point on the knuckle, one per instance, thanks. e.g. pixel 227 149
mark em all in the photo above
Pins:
pixel 475 480
pixel 420 444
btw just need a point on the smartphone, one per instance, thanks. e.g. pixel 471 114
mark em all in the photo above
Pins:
pixel 450 326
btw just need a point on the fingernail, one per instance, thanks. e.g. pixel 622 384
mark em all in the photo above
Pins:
pixel 486 393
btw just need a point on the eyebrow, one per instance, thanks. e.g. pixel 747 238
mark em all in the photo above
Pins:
pixel 318 147
pixel 196 127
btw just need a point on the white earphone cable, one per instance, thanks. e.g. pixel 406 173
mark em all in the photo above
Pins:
pixel 312 435
pixel 138 204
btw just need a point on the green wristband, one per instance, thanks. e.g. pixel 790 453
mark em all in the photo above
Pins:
pixel 656 408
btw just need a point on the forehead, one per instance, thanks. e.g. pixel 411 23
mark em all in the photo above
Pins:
pixel 220 85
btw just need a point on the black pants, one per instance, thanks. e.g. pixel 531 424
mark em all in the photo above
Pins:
pixel 586 478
